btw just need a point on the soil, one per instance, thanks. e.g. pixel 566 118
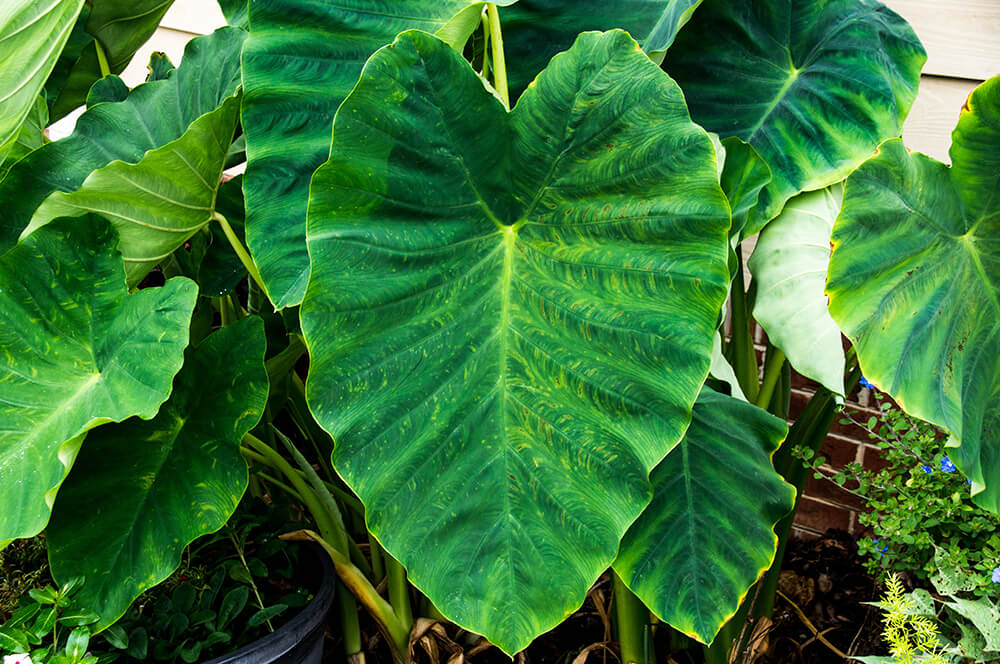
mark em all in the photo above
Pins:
pixel 824 586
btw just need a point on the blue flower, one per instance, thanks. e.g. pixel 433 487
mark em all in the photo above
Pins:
pixel 886 548
pixel 947 466
pixel 927 469
pixel 864 383
pixel 996 575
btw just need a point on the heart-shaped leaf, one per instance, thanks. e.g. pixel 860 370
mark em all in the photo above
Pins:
pixel 33 34
pixel 914 282
pixel 510 316
pixel 155 114
pixel 709 532
pixel 814 87
pixel 141 491
pixel 789 266
pixel 160 202
pixel 78 351
pixel 294 78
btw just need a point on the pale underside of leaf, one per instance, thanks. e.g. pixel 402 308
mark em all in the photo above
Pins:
pixel 789 265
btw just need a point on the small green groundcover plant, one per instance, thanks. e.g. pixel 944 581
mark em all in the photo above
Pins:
pixel 505 240
pixel 231 588
pixel 949 627
pixel 919 505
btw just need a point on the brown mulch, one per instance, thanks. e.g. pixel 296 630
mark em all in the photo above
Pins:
pixel 820 618
pixel 824 585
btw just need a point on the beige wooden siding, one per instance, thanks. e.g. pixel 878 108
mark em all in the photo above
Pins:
pixel 962 38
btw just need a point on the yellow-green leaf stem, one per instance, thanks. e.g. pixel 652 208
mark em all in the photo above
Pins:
pixel 499 64
pixel 772 372
pixel 241 253
pixel 361 588
pixel 102 59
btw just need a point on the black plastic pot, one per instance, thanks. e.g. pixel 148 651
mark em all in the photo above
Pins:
pixel 300 640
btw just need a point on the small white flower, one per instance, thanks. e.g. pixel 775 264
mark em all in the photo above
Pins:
pixel 16 659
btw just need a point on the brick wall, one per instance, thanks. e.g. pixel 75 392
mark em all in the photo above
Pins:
pixel 825 505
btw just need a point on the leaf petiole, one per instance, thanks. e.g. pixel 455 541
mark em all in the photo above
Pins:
pixel 241 253
pixel 499 64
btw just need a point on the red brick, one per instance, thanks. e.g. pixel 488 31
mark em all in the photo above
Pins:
pixel 801 382
pixel 819 516
pixel 839 451
pixel 872 459
pixel 850 429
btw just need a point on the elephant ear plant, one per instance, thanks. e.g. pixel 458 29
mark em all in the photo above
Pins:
pixel 504 237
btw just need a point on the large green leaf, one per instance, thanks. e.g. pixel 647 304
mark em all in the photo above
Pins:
pixel 510 316
pixel 301 60
pixel 32 35
pixel 141 491
pixel 155 114
pixel 789 267
pixel 813 86
pixel 77 351
pixel 535 30
pixel 120 27
pixel 707 536
pixel 914 281
pixel 157 204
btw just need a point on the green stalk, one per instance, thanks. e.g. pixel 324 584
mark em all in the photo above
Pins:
pixel 241 253
pixel 102 59
pixel 253 584
pixel 740 351
pixel 328 526
pixel 499 63
pixel 810 430
pixel 782 400
pixel 226 312
pixel 349 501
pixel 399 591
pixel 361 588
pixel 632 619
pixel 772 373
pixel 314 481
pixel 486 47
pixel 323 495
